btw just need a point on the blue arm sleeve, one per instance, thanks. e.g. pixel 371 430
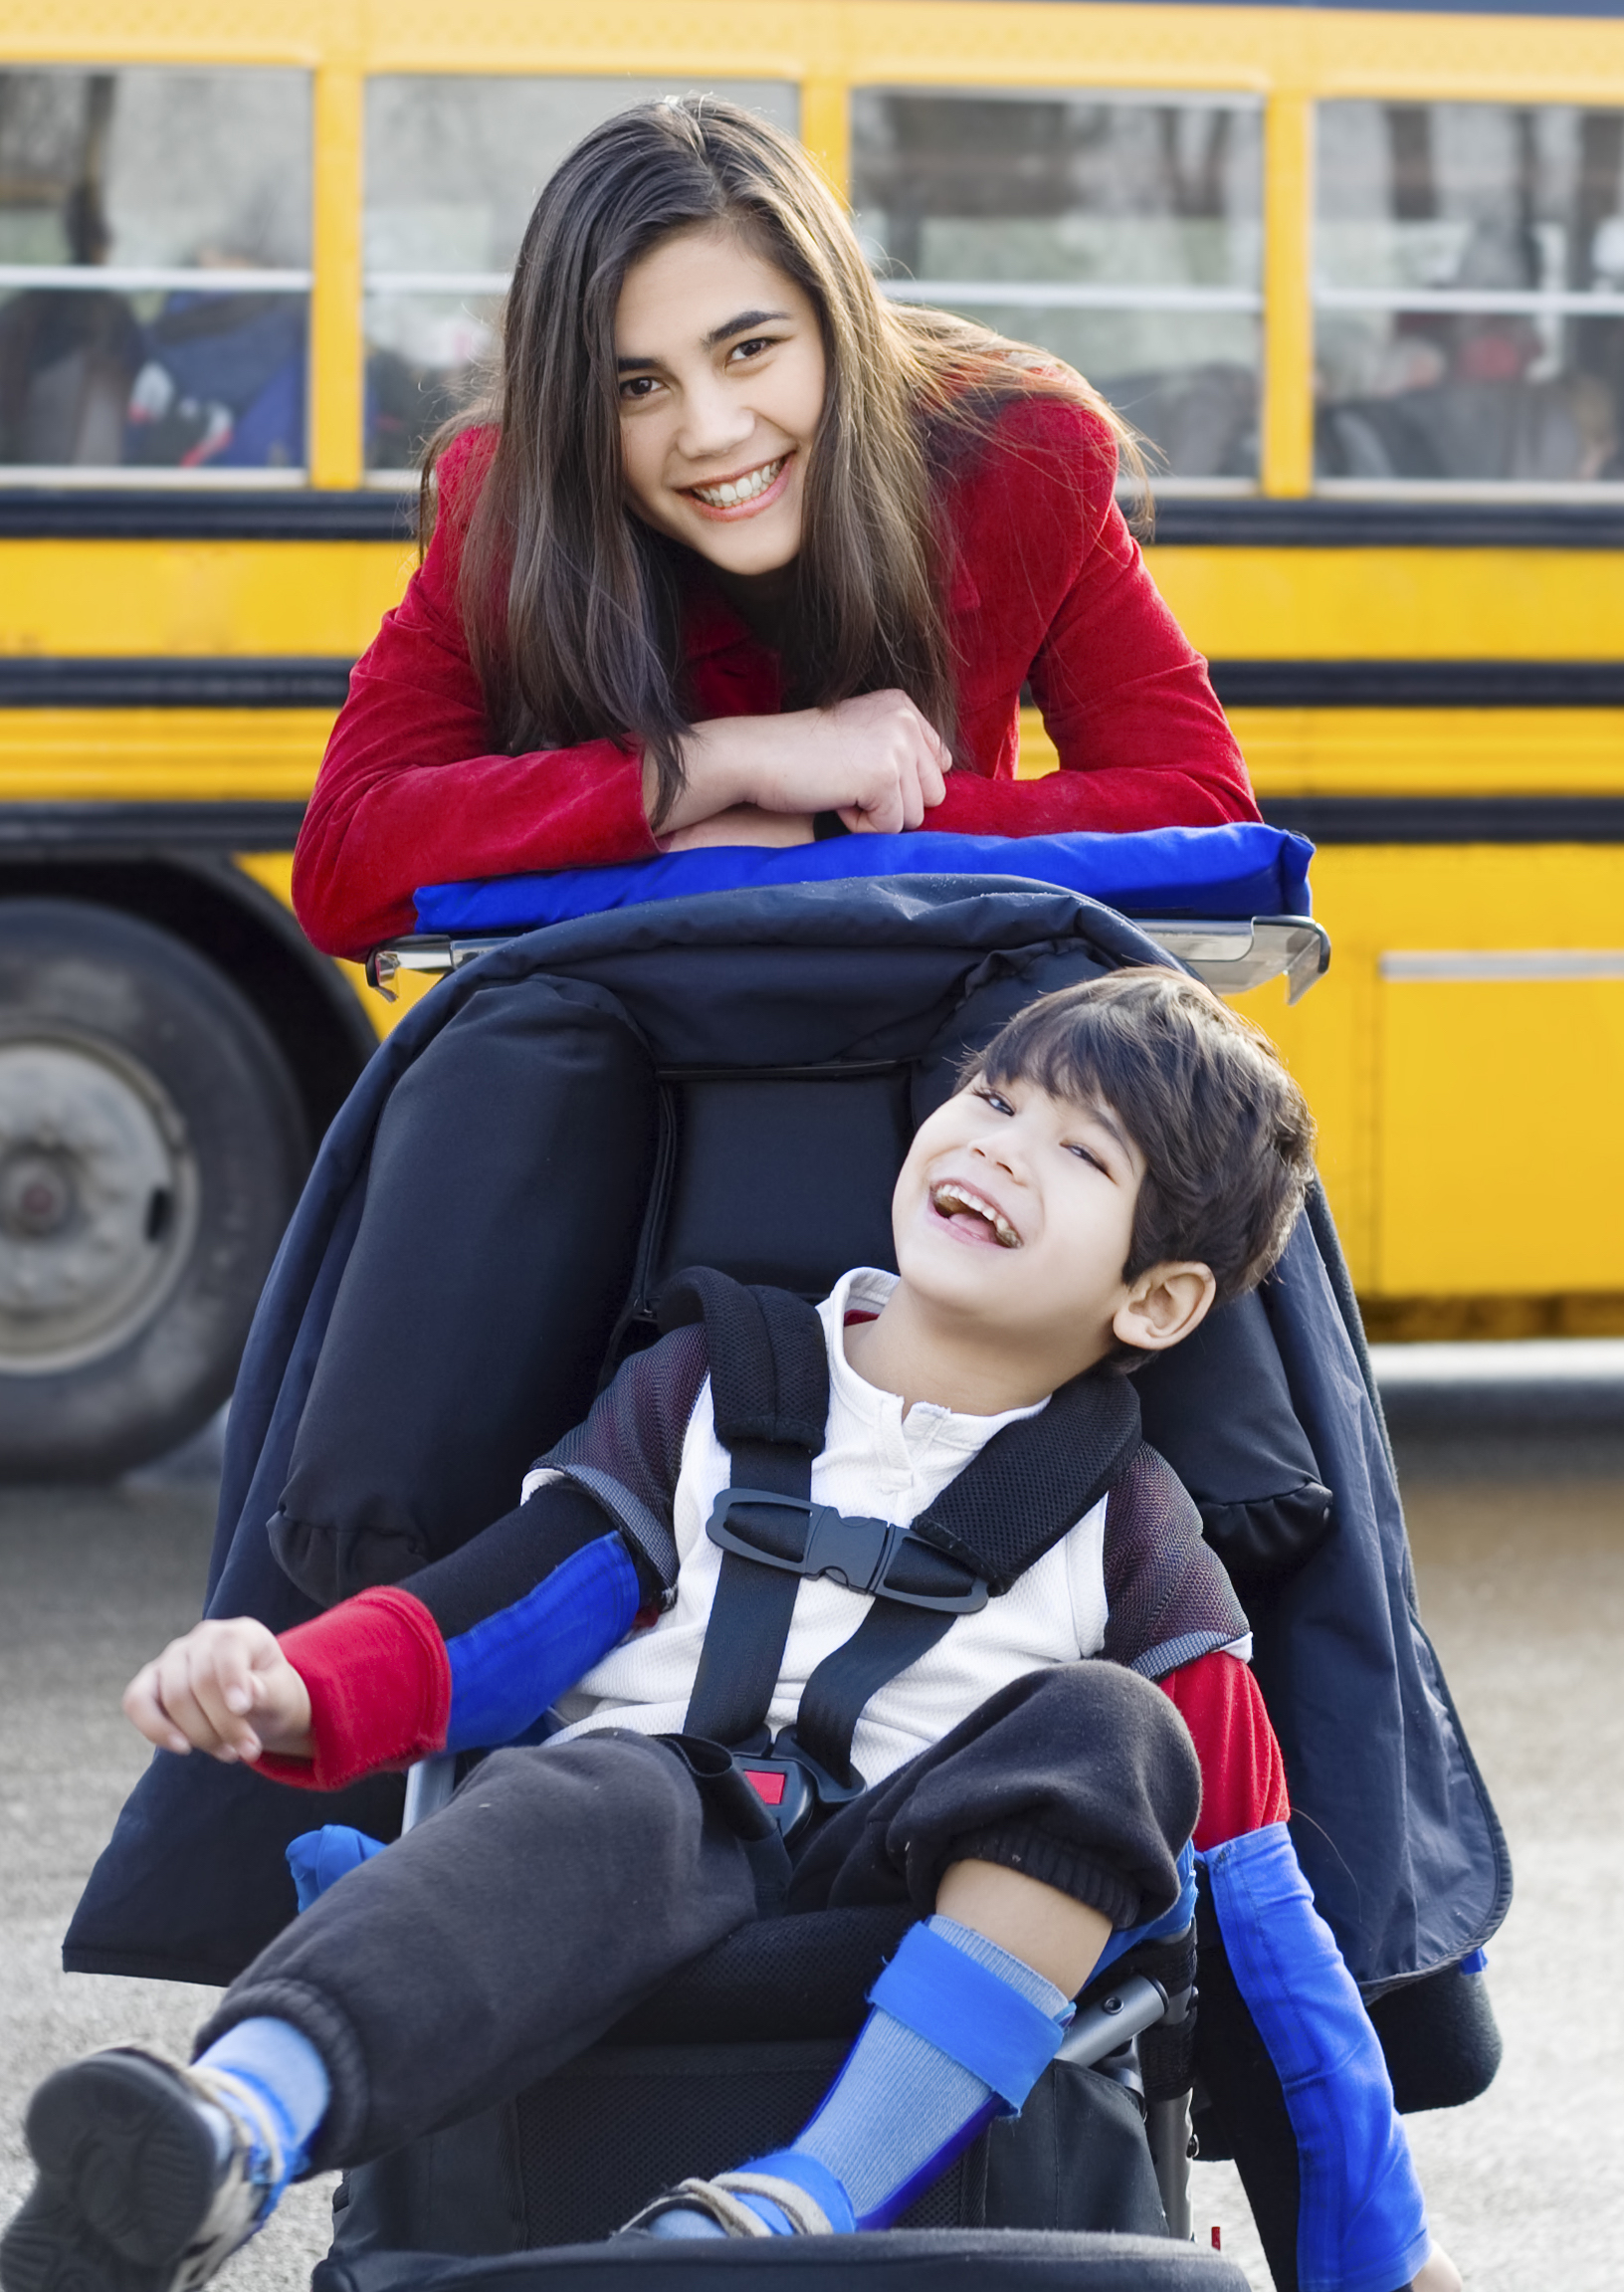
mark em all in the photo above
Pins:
pixel 1361 2221
pixel 507 1668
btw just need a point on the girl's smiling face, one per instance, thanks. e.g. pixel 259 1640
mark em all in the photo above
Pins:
pixel 721 375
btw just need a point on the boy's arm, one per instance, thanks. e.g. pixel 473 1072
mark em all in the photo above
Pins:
pixel 1243 1774
pixel 391 1681
pixel 470 1651
pixel 1286 2048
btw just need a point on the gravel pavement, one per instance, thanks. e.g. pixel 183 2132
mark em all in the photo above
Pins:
pixel 1519 1544
pixel 93 1581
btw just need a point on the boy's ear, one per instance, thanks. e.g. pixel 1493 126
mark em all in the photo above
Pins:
pixel 1163 1304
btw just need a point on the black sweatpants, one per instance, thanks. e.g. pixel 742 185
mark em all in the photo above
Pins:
pixel 563 1884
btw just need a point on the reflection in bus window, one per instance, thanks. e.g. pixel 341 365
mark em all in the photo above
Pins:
pixel 154 250
pixel 1124 232
pixel 453 170
pixel 1469 285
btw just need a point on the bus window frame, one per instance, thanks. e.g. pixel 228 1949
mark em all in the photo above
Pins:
pixel 149 278
pixel 1292 59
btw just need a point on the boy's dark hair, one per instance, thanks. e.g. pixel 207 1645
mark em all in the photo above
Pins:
pixel 1226 1133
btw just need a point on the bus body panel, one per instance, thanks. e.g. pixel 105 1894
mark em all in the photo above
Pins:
pixel 1428 678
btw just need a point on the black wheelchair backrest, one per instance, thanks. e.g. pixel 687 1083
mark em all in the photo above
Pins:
pixel 738 1076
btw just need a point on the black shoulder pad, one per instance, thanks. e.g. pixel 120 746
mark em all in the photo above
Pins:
pixel 769 1367
pixel 1035 1480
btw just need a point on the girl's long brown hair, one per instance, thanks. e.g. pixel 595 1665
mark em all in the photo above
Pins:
pixel 570 604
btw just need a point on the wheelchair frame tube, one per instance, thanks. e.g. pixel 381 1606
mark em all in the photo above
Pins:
pixel 1167 2129
pixel 429 1785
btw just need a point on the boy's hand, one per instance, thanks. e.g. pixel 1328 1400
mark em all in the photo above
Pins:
pixel 225 1688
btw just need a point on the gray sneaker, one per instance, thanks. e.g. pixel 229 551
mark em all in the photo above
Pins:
pixel 150 2176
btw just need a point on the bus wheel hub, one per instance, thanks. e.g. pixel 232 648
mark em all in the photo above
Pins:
pixel 36 1196
pixel 97 1203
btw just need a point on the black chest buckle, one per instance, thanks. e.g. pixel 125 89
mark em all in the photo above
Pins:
pixel 862 1555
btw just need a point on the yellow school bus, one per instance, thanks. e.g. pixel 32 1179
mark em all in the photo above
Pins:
pixel 1357 275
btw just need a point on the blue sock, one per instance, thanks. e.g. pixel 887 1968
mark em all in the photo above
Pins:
pixel 283 2074
pixel 960 2033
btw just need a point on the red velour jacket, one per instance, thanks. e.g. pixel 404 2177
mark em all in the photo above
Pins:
pixel 1045 585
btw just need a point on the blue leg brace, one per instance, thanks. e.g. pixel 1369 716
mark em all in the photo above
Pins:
pixel 1361 2221
pixel 960 2033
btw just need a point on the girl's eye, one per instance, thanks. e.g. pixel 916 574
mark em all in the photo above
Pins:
pixel 638 386
pixel 753 347
pixel 996 1099
pixel 1093 1159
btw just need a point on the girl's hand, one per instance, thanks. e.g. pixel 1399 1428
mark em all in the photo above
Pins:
pixel 874 759
pixel 744 824
pixel 225 1688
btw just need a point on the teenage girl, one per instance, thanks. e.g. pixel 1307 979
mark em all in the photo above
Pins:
pixel 739 551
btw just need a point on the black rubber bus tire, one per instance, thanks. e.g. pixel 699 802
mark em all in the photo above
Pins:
pixel 149 1125
pixel 901 2260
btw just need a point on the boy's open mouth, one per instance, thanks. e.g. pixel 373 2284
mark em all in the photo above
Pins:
pixel 962 1207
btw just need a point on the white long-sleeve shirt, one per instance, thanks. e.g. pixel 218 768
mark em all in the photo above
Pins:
pixel 883 1465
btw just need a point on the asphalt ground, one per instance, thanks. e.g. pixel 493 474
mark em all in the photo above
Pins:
pixel 1519 1544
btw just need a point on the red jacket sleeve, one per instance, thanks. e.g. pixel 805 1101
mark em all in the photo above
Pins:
pixel 1047 565
pixel 410 791
pixel 1243 1775
pixel 379 1683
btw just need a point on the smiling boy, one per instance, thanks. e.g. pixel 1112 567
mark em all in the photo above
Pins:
pixel 1124 1156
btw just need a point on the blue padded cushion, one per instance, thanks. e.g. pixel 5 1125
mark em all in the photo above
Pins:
pixel 1245 869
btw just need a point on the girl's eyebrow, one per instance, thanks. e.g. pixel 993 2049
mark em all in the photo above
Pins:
pixel 740 325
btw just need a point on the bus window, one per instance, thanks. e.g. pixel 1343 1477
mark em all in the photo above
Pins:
pixel 1469 290
pixel 1124 232
pixel 154 270
pixel 453 169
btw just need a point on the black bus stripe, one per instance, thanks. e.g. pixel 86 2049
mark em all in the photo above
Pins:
pixel 44 829
pixel 1252 522
pixel 291 681
pixel 106 513
pixel 1419 684
pixel 1246 520
pixel 287 681
pixel 1450 820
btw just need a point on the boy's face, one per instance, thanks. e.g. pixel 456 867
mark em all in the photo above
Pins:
pixel 1015 1209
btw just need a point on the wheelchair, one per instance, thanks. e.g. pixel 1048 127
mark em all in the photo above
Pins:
pixel 741 1071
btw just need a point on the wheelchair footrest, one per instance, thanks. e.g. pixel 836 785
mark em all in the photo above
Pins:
pixel 900 2260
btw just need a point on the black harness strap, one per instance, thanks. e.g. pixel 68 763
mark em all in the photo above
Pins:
pixel 769 1391
pixel 1028 1488
pixel 1035 1480
pixel 889 1638
pixel 769 1381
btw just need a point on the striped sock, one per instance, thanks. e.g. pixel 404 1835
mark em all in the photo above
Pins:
pixel 275 2065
